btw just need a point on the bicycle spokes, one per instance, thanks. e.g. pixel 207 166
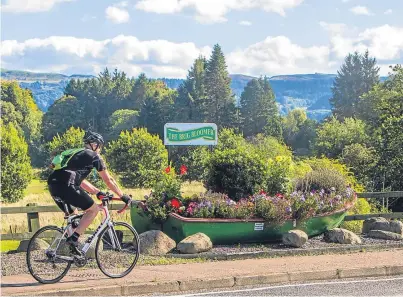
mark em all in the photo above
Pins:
pixel 117 250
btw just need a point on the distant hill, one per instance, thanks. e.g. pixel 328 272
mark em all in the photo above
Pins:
pixel 308 91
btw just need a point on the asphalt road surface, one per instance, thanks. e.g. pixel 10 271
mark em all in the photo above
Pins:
pixel 352 287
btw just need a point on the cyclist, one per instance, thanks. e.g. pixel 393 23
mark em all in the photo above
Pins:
pixel 69 185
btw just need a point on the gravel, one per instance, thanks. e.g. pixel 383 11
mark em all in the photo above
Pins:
pixel 15 263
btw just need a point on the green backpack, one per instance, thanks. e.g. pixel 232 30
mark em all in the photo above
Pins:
pixel 61 160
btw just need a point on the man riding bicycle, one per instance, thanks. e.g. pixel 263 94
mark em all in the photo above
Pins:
pixel 69 185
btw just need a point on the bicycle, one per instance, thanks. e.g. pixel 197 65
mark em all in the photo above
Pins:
pixel 109 239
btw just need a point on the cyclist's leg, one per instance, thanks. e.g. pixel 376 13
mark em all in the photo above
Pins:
pixel 79 198
pixel 58 191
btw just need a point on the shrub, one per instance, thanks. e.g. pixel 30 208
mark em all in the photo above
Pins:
pixel 236 172
pixel 138 157
pixel 321 178
pixel 325 163
pixel 16 171
pixel 279 173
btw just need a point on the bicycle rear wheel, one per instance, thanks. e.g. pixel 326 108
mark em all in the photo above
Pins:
pixel 43 252
pixel 117 250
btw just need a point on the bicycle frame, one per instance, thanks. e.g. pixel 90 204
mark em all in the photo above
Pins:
pixel 106 223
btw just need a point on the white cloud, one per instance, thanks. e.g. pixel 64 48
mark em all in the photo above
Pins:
pixel 245 23
pixel 360 10
pixel 384 42
pixel 278 55
pixel 117 15
pixel 213 11
pixel 155 57
pixel 272 56
pixel 345 1
pixel 388 11
pixel 29 6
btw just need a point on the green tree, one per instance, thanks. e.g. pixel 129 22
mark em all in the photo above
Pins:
pixel 356 77
pixel 16 171
pixel 220 102
pixel 25 114
pixel 138 157
pixel 258 108
pixel 121 120
pixel 299 131
pixel 190 105
pixel 334 136
pixel 61 115
pixel 362 161
pixel 387 128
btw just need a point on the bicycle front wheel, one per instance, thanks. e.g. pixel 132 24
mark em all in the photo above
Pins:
pixel 117 250
pixel 45 251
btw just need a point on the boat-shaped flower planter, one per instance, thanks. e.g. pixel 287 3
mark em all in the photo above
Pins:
pixel 231 231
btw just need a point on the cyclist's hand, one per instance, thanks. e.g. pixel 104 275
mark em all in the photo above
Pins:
pixel 126 198
pixel 101 194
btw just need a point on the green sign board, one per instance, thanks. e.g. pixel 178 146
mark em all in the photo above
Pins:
pixel 190 134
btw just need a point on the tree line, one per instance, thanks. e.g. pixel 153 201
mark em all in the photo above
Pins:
pixel 364 130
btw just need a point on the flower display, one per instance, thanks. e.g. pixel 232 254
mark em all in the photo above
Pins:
pixel 297 205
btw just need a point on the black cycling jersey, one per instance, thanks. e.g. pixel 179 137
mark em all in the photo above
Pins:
pixel 78 168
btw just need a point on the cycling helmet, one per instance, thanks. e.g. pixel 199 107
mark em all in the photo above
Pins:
pixel 93 137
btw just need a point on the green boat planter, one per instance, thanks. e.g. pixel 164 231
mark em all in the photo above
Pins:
pixel 230 231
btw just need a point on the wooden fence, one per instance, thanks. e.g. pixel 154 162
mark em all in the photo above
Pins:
pixel 32 210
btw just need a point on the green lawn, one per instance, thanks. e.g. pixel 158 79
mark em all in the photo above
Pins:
pixel 36 186
pixel 9 245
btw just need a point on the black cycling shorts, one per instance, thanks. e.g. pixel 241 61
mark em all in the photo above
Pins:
pixel 71 195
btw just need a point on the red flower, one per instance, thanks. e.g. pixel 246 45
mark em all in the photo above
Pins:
pixel 183 170
pixel 175 203
pixel 168 169
pixel 279 196
pixel 262 192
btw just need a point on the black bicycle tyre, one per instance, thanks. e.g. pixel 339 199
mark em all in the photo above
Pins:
pixel 137 253
pixel 39 279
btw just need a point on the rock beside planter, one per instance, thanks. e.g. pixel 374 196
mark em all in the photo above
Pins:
pixel 39 244
pixel 156 243
pixel 295 238
pixel 196 243
pixel 382 224
pixel 381 234
pixel 339 235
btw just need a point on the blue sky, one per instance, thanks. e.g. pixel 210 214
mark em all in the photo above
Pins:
pixel 163 37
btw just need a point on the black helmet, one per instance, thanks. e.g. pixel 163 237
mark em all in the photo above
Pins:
pixel 93 137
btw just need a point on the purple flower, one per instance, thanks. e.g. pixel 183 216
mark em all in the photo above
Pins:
pixel 288 209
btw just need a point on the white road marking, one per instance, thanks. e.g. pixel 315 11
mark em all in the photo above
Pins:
pixel 290 286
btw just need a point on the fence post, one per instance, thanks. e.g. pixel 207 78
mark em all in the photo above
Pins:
pixel 33 219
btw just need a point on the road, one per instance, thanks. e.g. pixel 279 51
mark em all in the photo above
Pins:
pixel 353 287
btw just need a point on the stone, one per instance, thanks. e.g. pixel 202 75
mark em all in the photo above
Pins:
pixel 339 235
pixel 381 234
pixel 382 224
pixel 196 243
pixel 369 223
pixel 156 242
pixel 39 244
pixel 295 238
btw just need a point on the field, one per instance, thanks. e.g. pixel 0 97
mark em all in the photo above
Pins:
pixel 37 193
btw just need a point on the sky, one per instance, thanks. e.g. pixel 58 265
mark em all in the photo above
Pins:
pixel 163 37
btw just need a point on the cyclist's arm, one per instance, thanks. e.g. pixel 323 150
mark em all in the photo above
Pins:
pixel 90 188
pixel 110 182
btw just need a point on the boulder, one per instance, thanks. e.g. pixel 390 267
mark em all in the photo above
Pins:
pixel 381 234
pixel 156 242
pixel 343 236
pixel 196 243
pixel 295 238
pixel 39 244
pixel 371 222
pixel 382 224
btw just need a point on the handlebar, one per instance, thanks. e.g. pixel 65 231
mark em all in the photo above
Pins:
pixel 110 197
